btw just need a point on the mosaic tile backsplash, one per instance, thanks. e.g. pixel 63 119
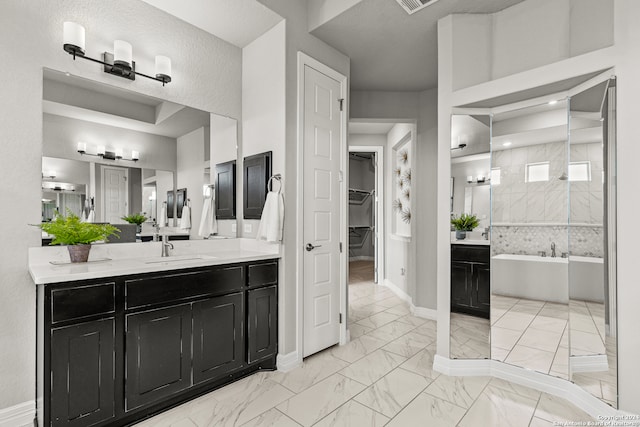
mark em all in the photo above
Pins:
pixel 584 240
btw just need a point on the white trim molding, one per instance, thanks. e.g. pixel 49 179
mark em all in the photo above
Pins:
pixel 425 313
pixel 525 377
pixel 288 362
pixel 20 415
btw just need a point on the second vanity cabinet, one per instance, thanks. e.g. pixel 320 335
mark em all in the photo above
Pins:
pixel 470 280
pixel 114 351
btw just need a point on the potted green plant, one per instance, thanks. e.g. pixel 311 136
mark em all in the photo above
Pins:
pixel 76 235
pixel 136 219
pixel 464 223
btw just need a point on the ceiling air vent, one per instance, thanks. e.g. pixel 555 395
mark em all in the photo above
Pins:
pixel 412 6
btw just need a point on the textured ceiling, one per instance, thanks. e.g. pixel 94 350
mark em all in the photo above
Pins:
pixel 238 22
pixel 391 50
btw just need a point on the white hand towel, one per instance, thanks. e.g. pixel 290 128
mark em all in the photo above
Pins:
pixel 272 219
pixel 162 218
pixel 185 221
pixel 208 223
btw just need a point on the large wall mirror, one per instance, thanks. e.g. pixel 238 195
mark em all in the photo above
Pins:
pixel 470 195
pixel 109 152
pixel 547 273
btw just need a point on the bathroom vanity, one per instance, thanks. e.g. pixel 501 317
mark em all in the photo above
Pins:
pixel 470 278
pixel 116 345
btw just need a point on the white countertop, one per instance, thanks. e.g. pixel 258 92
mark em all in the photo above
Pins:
pixel 136 258
pixel 471 242
pixel 473 238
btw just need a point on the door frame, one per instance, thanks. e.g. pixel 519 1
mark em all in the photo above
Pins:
pixel 379 222
pixel 103 210
pixel 306 60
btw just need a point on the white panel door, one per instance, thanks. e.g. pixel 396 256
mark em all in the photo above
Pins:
pixel 114 194
pixel 321 288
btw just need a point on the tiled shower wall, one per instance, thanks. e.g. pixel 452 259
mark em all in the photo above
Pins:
pixel 584 240
pixel 521 210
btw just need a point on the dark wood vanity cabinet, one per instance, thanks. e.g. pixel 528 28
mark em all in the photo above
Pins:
pixel 470 280
pixel 262 323
pixel 82 373
pixel 119 350
pixel 158 354
pixel 217 350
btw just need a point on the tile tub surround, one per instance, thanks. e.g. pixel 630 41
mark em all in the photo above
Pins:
pixel 131 258
pixel 404 392
pixel 529 239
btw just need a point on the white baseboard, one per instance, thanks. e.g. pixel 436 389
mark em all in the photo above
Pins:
pixel 536 380
pixel 20 415
pixel 425 313
pixel 288 362
pixel 595 363
pixel 399 292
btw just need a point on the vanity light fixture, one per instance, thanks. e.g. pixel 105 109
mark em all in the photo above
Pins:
pixel 120 62
pixel 101 152
pixel 480 178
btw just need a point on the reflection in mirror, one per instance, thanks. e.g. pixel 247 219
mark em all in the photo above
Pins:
pixel 117 153
pixel 529 238
pixel 592 285
pixel 470 169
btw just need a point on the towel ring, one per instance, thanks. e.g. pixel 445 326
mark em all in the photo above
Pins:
pixel 276 177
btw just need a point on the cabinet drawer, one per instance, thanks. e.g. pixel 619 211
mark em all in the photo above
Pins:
pixel 179 286
pixel 470 253
pixel 84 301
pixel 262 274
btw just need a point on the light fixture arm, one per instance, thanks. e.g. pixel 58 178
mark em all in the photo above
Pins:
pixel 121 63
pixel 110 68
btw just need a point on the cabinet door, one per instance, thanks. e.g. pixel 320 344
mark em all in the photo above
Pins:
pixel 262 328
pixel 226 190
pixel 158 354
pixel 460 284
pixel 481 294
pixel 218 338
pixel 82 373
pixel 257 170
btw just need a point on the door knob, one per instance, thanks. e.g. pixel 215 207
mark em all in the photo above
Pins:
pixel 310 247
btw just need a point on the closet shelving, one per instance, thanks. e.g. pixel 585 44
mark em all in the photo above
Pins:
pixel 358 197
pixel 358 233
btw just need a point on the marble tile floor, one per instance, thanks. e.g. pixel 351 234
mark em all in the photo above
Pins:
pixel 531 334
pixel 384 376
pixel 469 337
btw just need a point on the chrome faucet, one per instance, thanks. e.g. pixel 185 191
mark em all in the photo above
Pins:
pixel 156 231
pixel 553 250
pixel 485 233
pixel 166 245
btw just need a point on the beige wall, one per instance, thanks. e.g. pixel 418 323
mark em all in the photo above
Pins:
pixel 206 76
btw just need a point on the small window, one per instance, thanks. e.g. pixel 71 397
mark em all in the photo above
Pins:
pixel 537 172
pixel 580 171
pixel 495 176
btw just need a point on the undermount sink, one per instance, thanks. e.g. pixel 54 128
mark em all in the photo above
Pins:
pixel 177 259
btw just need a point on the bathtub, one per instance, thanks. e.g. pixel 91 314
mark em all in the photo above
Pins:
pixel 586 278
pixel 531 277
